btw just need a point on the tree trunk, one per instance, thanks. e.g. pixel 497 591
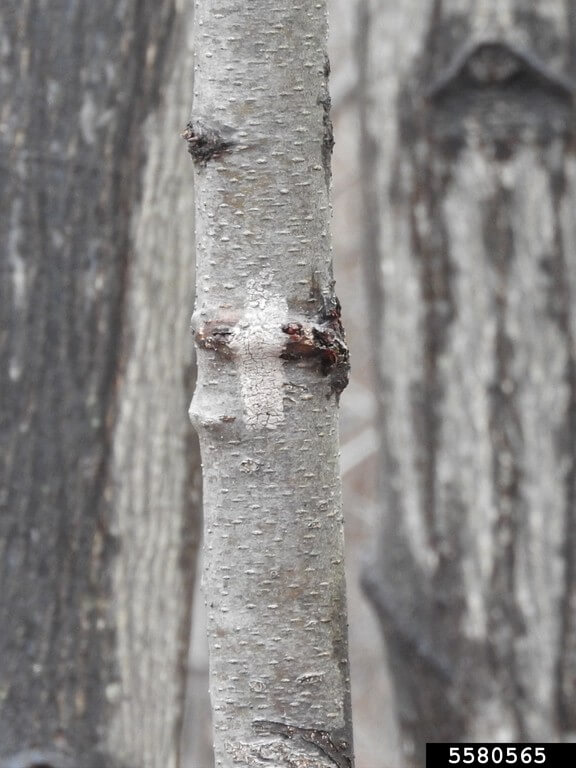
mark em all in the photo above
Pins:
pixel 99 474
pixel 468 154
pixel 272 363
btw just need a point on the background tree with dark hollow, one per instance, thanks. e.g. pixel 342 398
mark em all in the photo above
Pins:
pixel 470 188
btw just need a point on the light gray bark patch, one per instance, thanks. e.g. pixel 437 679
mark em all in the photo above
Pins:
pixel 278 753
pixel 256 341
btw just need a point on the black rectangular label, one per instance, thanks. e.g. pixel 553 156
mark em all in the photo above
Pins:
pixel 500 755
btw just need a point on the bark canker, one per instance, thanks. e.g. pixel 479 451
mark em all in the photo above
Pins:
pixel 322 342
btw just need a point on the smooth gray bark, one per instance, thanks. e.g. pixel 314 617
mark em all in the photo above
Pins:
pixel 271 363
pixel 468 153
pixel 99 468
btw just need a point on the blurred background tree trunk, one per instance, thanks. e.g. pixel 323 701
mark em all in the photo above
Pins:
pixel 470 237
pixel 100 493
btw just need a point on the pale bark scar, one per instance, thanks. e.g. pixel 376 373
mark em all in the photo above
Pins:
pixel 257 340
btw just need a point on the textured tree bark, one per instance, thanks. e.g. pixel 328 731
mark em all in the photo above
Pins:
pixel 99 470
pixel 272 362
pixel 468 153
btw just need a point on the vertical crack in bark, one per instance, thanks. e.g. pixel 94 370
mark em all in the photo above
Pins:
pixel 325 102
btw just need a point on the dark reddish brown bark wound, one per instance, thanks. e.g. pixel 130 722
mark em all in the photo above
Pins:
pixel 324 342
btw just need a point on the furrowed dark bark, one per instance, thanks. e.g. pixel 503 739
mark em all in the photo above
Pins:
pixel 468 150
pixel 98 520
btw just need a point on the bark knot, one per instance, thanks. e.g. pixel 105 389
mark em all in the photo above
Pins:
pixel 332 744
pixel 216 336
pixel 207 141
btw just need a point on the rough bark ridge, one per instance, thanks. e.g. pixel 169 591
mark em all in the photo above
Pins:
pixel 272 362
pixel 96 510
pixel 468 149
